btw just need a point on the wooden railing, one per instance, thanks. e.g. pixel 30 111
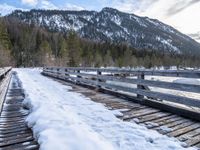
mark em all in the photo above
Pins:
pixel 99 78
pixel 4 82
pixel 4 71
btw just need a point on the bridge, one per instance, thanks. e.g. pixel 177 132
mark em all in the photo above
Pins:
pixel 138 94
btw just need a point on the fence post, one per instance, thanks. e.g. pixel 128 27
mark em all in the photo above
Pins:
pixel 140 76
pixel 98 80
pixel 58 73
pixel 78 76
pixel 66 74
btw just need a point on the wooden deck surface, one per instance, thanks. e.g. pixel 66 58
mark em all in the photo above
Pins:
pixel 14 133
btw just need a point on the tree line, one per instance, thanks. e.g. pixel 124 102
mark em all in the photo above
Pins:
pixel 24 45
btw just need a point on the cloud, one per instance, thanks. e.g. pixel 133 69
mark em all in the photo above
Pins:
pixel 30 2
pixel 180 6
pixel 195 36
pixel 45 4
pixel 69 6
pixel 7 9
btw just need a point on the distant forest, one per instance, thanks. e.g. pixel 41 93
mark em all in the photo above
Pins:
pixel 23 45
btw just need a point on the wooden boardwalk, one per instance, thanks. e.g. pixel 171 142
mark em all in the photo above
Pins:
pixel 14 133
pixel 185 130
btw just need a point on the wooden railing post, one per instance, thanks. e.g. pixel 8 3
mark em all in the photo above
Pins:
pixel 98 80
pixel 78 76
pixel 66 74
pixel 58 73
pixel 140 76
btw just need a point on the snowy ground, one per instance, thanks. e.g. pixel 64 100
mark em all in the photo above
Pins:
pixel 65 120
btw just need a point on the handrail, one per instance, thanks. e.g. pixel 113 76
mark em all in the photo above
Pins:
pixel 170 73
pixel 97 79
pixel 4 83
pixel 4 71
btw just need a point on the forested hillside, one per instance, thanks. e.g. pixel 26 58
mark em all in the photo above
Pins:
pixel 29 45
pixel 5 46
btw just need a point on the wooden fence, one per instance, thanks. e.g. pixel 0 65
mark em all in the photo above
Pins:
pixel 99 78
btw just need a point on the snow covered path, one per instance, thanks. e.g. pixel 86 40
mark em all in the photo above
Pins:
pixel 65 120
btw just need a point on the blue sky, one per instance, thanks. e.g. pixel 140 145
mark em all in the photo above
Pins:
pixel 59 4
pixel 182 14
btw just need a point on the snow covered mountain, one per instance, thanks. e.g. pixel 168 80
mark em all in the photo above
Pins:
pixel 113 26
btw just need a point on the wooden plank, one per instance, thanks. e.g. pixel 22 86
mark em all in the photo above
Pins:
pixel 13 127
pixel 153 117
pixel 135 114
pixel 190 135
pixel 13 115
pixel 167 120
pixel 178 123
pixel 14 134
pixel 28 145
pixel 195 141
pixel 197 145
pixel 15 141
pixel 119 106
pixel 172 124
pixel 179 126
pixel 19 136
pixel 184 130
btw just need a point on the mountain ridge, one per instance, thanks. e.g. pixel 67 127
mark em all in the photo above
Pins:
pixel 113 26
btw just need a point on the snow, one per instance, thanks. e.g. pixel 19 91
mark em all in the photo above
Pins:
pixel 168 43
pixel 65 120
pixel 151 124
pixel 165 129
pixel 138 20
pixel 188 81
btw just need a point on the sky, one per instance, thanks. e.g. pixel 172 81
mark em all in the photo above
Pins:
pixel 183 15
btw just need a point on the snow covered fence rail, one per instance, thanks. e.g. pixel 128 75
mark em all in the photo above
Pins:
pixel 99 78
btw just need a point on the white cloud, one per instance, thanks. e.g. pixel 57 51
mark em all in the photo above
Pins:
pixel 69 6
pixel 45 4
pixel 30 2
pixel 7 9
